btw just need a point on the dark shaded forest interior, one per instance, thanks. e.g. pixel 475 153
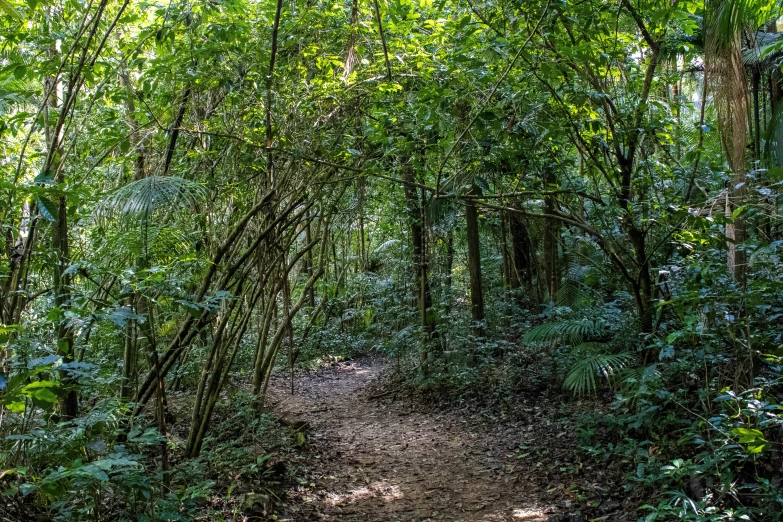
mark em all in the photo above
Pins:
pixel 391 260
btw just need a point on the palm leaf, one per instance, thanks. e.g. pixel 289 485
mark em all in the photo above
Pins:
pixel 142 199
pixel 572 293
pixel 566 331
pixel 157 242
pixel 581 378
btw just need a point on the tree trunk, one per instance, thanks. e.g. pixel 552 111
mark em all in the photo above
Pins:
pixel 62 299
pixel 474 267
pixel 522 250
pixel 423 296
pixel 428 316
pixel 362 247
pixel 448 269
pixel 129 360
pixel 756 113
pixel 736 231
pixel 308 264
pixel 60 279
pixel 644 291
pixel 551 265
pixel 505 254
pixel 775 91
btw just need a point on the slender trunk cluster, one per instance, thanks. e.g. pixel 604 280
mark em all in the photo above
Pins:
pixel 417 221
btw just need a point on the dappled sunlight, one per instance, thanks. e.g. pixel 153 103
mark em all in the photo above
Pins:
pixel 382 490
pixel 528 514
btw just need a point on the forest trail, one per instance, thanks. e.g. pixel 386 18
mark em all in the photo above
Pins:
pixel 379 460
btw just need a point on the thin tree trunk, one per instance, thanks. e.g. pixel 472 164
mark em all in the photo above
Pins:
pixel 423 296
pixel 275 345
pixel 129 359
pixel 756 113
pixel 383 39
pixel 505 254
pixel 309 263
pixel 130 106
pixel 449 269
pixel 60 278
pixel 362 248
pixel 269 85
pixel 551 261
pixel 474 268
pixel 522 265
pixel 175 131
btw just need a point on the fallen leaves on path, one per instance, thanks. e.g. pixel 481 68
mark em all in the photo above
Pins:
pixel 385 461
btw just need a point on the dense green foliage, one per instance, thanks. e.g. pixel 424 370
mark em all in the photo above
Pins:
pixel 549 198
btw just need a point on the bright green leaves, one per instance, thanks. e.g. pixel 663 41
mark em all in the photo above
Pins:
pixel 7 8
pixel 7 332
pixel 78 472
pixel 43 394
pixel 753 439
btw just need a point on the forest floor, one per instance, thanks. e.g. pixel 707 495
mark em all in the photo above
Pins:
pixel 375 458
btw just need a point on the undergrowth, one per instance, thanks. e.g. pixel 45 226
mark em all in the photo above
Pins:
pixel 95 469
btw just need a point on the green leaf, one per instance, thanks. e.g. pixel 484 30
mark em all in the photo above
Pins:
pixel 13 405
pixel 9 10
pixel 95 472
pixel 747 435
pixel 48 209
pixel 581 379
pixel 15 383
pixel 41 391
pixel 481 184
pixel 192 308
pixel 754 439
pixel 44 177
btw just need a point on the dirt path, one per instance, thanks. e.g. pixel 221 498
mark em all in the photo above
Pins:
pixel 377 460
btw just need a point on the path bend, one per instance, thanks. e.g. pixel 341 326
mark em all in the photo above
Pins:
pixel 381 460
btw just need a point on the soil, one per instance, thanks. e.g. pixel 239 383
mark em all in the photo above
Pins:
pixel 374 458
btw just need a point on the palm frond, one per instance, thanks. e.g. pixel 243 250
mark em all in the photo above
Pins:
pixel 729 21
pixel 572 293
pixel 15 92
pixel 139 200
pixel 763 253
pixel 157 242
pixel 581 378
pixel 566 331
pixel 766 47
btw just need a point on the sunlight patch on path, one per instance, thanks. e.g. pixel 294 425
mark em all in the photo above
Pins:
pixel 382 490
pixel 529 514
pixel 384 461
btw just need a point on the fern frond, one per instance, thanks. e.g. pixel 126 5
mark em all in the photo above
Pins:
pixel 573 294
pixel 763 253
pixel 385 246
pixel 567 331
pixel 582 377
